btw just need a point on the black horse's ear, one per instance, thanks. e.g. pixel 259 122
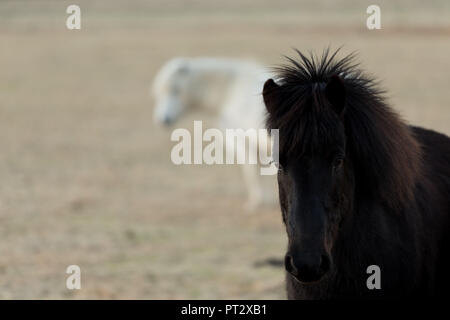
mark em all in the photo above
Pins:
pixel 336 94
pixel 271 95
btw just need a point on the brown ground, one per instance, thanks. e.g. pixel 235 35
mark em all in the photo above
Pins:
pixel 86 177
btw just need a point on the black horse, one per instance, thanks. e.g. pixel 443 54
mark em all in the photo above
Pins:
pixel 357 186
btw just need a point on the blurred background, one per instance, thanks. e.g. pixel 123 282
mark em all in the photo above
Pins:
pixel 86 176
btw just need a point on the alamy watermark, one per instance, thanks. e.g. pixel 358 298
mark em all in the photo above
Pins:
pixel 374 280
pixel 250 146
pixel 73 22
pixel 73 282
pixel 374 19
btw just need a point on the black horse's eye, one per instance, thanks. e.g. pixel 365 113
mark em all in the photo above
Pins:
pixel 337 163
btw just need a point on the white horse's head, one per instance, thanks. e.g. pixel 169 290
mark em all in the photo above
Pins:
pixel 170 91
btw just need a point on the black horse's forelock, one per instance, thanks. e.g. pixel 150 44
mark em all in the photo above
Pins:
pixel 302 91
pixel 385 156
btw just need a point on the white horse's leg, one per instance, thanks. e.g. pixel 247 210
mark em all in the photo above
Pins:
pixel 253 184
pixel 250 172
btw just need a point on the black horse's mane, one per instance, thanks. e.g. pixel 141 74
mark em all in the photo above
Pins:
pixel 385 156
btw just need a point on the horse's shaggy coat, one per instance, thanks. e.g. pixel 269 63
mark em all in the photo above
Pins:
pixel 357 186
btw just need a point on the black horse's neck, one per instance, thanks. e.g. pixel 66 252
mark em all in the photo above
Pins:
pixel 385 155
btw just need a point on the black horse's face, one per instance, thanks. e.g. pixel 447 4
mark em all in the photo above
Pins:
pixel 311 197
pixel 314 182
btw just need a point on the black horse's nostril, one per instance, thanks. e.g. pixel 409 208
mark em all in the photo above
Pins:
pixel 307 270
pixel 289 265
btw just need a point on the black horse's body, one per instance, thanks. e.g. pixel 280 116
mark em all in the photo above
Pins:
pixel 358 187
pixel 411 244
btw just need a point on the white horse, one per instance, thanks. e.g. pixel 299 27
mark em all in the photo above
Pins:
pixel 230 88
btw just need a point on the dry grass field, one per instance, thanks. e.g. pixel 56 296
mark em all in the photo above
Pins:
pixel 86 177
